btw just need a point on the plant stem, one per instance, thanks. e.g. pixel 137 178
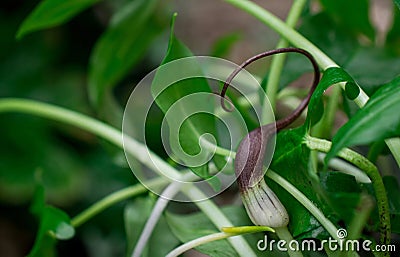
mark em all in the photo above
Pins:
pixel 158 209
pixel 138 150
pixel 219 219
pixel 372 172
pixel 323 128
pixel 114 136
pixel 293 37
pixel 284 30
pixel 114 198
pixel 300 41
pixel 152 221
pixel 299 196
pixel 279 60
pixel 346 168
pixel 212 148
pixel 216 236
pixel 197 242
pixel 284 234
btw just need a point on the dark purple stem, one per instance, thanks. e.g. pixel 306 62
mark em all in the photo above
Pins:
pixel 251 151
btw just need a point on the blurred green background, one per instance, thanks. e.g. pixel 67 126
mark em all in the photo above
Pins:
pixel 52 66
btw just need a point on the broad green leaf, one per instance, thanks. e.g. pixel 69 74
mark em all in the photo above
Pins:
pixel 330 77
pixel 54 224
pixel 192 226
pixel 377 120
pixel 49 13
pixel 341 192
pixel 291 162
pixel 182 98
pixel 121 46
pixel 135 216
pixel 351 15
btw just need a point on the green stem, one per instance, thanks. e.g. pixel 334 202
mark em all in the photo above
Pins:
pixel 216 236
pixel 284 234
pixel 323 129
pixel 219 220
pixel 197 242
pixel 114 198
pixel 279 60
pixel 300 41
pixel 133 147
pixel 154 217
pixel 212 148
pixel 114 136
pixel 370 169
pixel 299 196
pixel 169 192
pixel 346 168
pixel 284 30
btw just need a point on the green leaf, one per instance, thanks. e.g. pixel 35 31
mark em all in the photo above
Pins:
pixel 331 76
pixel 372 67
pixel 290 161
pixel 393 191
pixel 351 15
pixel 49 13
pixel 224 44
pixel 54 224
pixel 342 193
pixel 187 102
pixel 397 2
pixel 135 216
pixel 343 48
pixel 121 46
pixel 352 90
pixel 377 120
pixel 369 66
pixel 192 226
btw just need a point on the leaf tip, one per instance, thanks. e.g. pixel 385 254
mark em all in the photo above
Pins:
pixel 246 229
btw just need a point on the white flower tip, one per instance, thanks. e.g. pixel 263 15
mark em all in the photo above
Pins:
pixel 264 207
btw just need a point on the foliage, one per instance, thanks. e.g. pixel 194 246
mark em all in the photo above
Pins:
pixel 85 55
